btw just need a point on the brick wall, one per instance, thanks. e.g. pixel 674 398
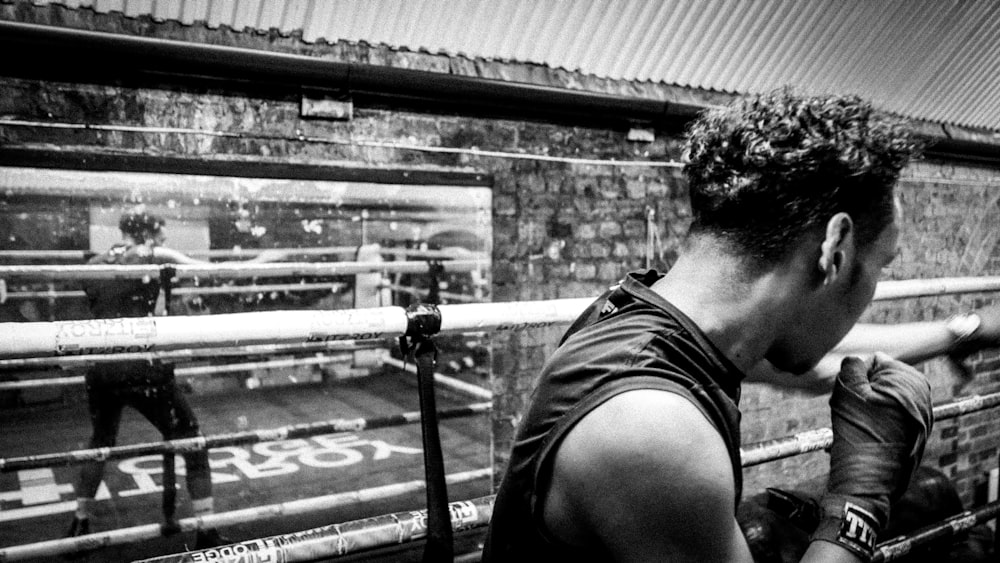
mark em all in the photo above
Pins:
pixel 560 230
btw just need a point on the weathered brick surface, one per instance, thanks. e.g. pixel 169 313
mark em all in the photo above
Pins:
pixel 559 229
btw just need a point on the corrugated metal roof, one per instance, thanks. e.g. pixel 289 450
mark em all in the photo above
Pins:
pixel 937 60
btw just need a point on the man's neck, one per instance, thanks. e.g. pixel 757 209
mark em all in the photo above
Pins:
pixel 739 313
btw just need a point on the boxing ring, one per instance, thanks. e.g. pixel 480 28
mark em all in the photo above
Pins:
pixel 174 338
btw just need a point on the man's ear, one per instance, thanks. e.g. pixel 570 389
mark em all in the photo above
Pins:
pixel 836 246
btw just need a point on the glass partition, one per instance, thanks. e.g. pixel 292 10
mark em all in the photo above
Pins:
pixel 64 217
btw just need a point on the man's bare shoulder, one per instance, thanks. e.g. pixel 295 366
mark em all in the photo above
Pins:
pixel 643 461
pixel 645 431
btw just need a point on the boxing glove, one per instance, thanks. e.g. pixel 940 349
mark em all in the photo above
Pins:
pixel 881 415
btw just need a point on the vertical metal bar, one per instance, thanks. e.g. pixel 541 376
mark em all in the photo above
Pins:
pixel 423 321
pixel 169 491
pixel 434 271
pixel 996 521
pixel 440 540
pixel 167 274
pixel 51 301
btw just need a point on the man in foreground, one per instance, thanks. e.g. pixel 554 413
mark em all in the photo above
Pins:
pixel 629 450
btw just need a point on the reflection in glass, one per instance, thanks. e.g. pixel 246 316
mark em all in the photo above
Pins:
pixel 52 216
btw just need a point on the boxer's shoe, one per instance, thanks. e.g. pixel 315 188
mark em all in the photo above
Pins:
pixel 78 527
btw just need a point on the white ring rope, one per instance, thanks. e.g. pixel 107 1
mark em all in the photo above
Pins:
pixel 221 519
pixel 106 336
pixel 237 271
pixel 193 371
pixel 190 354
pixel 425 292
pixel 450 382
pixel 148 334
pixel 68 381
pixel 347 538
pixel 242 438
pixel 254 288
pixel 240 253
pixel 906 289
pixel 821 438
pixel 441 379
pixel 332 287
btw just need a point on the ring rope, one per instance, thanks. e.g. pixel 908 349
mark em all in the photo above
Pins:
pixel 447 381
pixel 350 537
pixel 193 371
pixel 332 287
pixel 899 546
pixel 452 382
pixel 236 253
pixel 293 431
pixel 146 334
pixel 751 454
pixel 192 353
pixel 821 438
pixel 162 333
pixel 906 289
pixel 401 527
pixel 207 290
pixel 425 292
pixel 68 381
pixel 886 290
pixel 369 535
pixel 259 288
pixel 272 269
pixel 236 517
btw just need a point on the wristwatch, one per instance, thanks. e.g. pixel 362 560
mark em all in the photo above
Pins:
pixel 963 326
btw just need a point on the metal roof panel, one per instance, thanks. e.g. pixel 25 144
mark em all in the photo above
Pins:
pixel 937 60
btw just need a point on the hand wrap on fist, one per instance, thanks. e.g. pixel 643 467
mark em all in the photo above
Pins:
pixel 881 414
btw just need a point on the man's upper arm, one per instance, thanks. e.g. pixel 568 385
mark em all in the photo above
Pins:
pixel 908 342
pixel 817 381
pixel 646 477
pixel 165 255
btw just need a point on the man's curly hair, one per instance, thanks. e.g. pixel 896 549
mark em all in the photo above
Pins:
pixel 771 168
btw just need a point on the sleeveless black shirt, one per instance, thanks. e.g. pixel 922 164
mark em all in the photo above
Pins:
pixel 630 338
pixel 117 298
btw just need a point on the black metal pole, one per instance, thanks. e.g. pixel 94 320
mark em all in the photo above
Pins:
pixel 424 320
pixel 440 541
pixel 996 521
pixel 169 494
pixel 167 275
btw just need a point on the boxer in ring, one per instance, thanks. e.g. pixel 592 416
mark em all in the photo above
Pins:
pixel 629 449
pixel 148 387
